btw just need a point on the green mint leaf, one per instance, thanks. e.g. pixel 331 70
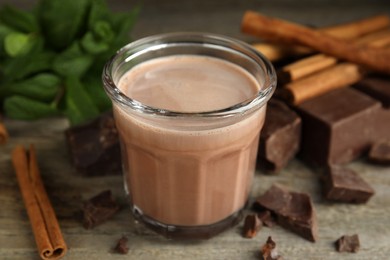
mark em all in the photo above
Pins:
pixel 79 106
pixel 123 23
pixel 41 87
pixel 19 20
pixel 62 21
pixel 94 87
pixel 99 12
pixel 17 44
pixel 24 108
pixel 23 66
pixel 92 45
pixel 72 62
pixel 4 31
pixel 102 30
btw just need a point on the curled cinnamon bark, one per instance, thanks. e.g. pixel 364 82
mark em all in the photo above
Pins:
pixel 46 229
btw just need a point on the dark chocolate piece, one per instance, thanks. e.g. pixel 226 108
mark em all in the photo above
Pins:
pixel 293 210
pixel 268 250
pixel 121 246
pixel 280 136
pixel 345 185
pixel 348 244
pixel 252 225
pixel 376 86
pixel 99 209
pixel 94 146
pixel 338 126
pixel 266 218
pixel 380 153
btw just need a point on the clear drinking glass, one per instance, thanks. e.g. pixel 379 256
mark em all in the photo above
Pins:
pixel 188 174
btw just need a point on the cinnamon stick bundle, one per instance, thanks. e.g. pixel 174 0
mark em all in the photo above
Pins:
pixel 46 229
pixel 314 63
pixel 289 33
pixel 351 30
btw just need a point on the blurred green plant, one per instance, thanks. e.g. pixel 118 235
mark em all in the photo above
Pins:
pixel 52 57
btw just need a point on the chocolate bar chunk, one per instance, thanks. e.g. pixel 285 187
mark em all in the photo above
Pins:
pixel 339 126
pixel 280 136
pixel 94 146
pixel 345 185
pixel 380 153
pixel 121 246
pixel 294 210
pixel 376 86
pixel 348 244
pixel 252 225
pixel 99 209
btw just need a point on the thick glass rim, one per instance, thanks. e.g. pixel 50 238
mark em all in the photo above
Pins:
pixel 161 41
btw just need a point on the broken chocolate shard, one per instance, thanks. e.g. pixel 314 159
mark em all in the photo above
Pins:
pixel 266 218
pixel 94 147
pixel 380 153
pixel 348 244
pixel 252 225
pixel 294 211
pixel 121 246
pixel 345 185
pixel 340 126
pixel 280 136
pixel 99 209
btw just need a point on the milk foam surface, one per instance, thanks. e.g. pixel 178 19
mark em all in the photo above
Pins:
pixel 188 83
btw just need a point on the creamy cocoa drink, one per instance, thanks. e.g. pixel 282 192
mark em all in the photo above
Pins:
pixel 188 160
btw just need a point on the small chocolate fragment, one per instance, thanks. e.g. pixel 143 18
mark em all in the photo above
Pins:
pixel 266 218
pixel 280 136
pixel 348 244
pixel 376 86
pixel 268 251
pixel 294 210
pixel 99 209
pixel 94 147
pixel 345 185
pixel 121 246
pixel 380 153
pixel 339 126
pixel 252 225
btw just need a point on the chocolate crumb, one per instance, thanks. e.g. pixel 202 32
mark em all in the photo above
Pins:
pixel 266 218
pixel 348 244
pixel 252 225
pixel 268 251
pixel 380 153
pixel 121 246
pixel 98 209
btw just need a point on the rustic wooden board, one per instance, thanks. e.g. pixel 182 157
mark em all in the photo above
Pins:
pixel 68 190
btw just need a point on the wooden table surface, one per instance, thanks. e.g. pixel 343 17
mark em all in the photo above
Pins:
pixel 68 190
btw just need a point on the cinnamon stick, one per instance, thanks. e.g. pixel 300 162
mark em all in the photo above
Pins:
pixel 46 229
pixel 312 64
pixel 340 75
pixel 3 134
pixel 349 30
pixel 286 32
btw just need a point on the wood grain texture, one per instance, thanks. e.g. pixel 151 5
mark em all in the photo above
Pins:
pixel 67 190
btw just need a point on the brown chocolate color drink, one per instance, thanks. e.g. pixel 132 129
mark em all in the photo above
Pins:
pixel 189 156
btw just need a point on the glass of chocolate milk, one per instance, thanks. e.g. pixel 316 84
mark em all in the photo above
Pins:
pixel 189 108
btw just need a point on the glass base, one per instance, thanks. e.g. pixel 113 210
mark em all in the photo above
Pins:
pixel 188 232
